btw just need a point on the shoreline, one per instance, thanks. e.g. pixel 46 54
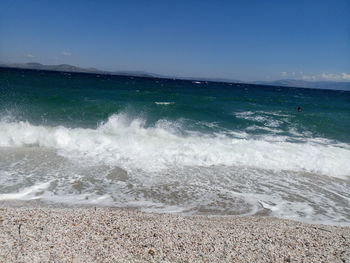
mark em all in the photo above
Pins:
pixel 101 234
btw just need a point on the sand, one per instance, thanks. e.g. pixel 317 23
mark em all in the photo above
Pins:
pixel 126 235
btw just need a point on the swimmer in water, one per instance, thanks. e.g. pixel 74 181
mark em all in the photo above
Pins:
pixel 299 109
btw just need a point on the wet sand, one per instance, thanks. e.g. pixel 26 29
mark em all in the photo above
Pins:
pixel 126 235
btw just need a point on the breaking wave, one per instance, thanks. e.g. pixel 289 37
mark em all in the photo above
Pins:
pixel 129 143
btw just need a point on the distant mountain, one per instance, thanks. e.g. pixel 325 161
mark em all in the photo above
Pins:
pixel 70 68
pixel 306 84
pixel 61 67
pixel 283 82
pixel 136 73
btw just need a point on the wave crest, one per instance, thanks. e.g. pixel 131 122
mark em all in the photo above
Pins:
pixel 129 143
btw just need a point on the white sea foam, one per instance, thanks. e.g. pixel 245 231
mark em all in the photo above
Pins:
pixel 164 103
pixel 266 118
pixel 129 144
pixel 28 193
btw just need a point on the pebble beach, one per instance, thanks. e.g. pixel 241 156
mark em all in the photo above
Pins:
pixel 92 234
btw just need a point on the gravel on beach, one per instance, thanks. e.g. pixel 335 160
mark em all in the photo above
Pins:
pixel 127 235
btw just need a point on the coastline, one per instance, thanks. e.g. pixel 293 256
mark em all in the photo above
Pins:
pixel 44 234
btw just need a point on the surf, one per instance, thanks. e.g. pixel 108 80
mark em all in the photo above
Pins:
pixel 129 143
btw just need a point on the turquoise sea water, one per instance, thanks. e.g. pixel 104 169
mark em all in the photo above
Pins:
pixel 179 146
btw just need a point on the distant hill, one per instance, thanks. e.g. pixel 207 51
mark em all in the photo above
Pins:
pixel 283 82
pixel 70 68
pixel 136 73
pixel 61 67
pixel 307 84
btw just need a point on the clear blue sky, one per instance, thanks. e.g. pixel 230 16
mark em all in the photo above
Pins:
pixel 247 39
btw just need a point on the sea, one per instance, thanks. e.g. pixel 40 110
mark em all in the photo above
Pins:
pixel 175 146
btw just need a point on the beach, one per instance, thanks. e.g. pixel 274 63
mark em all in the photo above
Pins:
pixel 174 131
pixel 102 168
pixel 90 234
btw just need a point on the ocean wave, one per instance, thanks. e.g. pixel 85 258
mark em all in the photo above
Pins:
pixel 130 144
pixel 267 118
pixel 164 103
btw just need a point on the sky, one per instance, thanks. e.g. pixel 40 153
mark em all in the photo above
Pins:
pixel 245 40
